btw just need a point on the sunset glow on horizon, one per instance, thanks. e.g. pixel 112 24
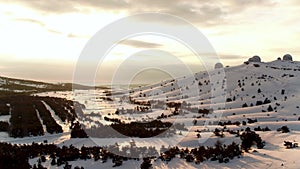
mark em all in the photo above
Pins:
pixel 42 40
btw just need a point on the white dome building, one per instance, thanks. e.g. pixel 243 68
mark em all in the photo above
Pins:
pixel 287 57
pixel 218 66
pixel 254 59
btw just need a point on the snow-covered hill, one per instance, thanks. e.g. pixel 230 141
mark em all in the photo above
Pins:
pixel 255 94
pixel 266 91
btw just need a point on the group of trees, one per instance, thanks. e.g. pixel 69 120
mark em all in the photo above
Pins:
pixel 219 133
pixel 62 108
pixel 259 102
pixel 133 129
pixel 250 138
pixel 248 132
pixel 115 120
pixel 289 144
pixel 175 112
pixel 141 103
pixel 250 121
pixel 173 104
pixel 4 109
pixel 77 131
pixel 182 110
pixel 13 156
pixel 262 129
pixel 225 123
pixel 142 129
pixel 220 152
pixel 17 156
pixel 143 109
pixel 106 98
pixel 48 121
pixel 283 129
pixel 26 112
pixel 4 126
pixel 24 120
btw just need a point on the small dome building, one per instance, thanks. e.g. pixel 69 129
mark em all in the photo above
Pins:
pixel 254 59
pixel 287 57
pixel 218 66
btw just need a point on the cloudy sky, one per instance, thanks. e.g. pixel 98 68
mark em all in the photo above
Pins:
pixel 42 40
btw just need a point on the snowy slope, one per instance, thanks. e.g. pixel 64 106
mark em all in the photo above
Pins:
pixel 267 92
pixel 270 78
